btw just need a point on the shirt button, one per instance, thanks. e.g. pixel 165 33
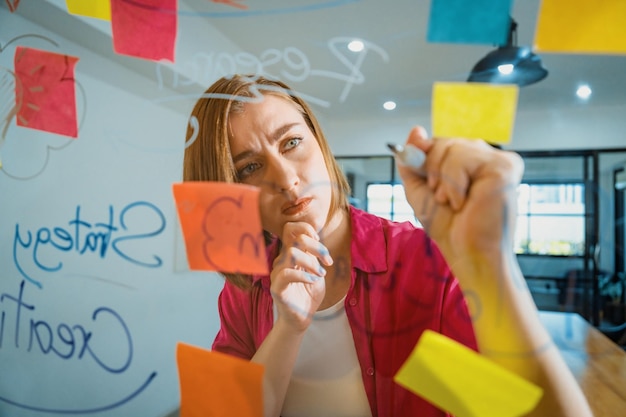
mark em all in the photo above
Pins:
pixel 370 371
pixel 353 301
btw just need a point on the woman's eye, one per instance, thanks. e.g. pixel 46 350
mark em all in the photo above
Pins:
pixel 292 143
pixel 247 170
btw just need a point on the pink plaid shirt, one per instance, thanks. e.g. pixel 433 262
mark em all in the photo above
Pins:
pixel 400 286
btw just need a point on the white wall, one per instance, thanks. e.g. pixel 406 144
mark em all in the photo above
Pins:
pixel 93 332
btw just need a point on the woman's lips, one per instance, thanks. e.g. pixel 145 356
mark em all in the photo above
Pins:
pixel 296 207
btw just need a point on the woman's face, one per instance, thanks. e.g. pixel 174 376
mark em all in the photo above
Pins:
pixel 274 149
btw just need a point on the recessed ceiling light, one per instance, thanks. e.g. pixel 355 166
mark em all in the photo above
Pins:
pixel 389 105
pixel 356 46
pixel 583 91
pixel 505 69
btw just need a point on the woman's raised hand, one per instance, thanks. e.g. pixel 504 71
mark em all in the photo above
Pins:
pixel 467 198
pixel 298 285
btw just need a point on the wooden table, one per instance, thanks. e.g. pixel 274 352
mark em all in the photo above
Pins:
pixel 598 363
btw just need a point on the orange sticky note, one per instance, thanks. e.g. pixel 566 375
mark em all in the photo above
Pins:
pixel 221 224
pixel 474 111
pixel 45 88
pixel 144 28
pixel 581 26
pixel 462 382
pixel 100 9
pixel 218 385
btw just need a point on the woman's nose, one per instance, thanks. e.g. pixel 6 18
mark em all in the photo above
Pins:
pixel 281 175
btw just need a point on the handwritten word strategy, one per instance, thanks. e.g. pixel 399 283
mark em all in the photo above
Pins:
pixel 204 68
pixel 84 237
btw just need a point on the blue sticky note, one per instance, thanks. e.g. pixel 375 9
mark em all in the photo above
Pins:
pixel 469 21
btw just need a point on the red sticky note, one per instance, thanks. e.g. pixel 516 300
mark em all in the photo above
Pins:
pixel 218 385
pixel 144 28
pixel 221 224
pixel 45 91
pixel 12 5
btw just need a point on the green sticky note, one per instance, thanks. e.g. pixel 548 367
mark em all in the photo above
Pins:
pixel 460 381
pixel 474 111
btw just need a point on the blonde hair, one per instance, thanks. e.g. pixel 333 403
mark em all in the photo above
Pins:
pixel 209 158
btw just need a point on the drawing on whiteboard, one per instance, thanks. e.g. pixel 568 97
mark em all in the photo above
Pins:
pixel 289 64
pixel 10 104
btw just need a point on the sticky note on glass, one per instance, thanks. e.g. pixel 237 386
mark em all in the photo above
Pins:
pixel 462 382
pixel 12 5
pixel 144 29
pixel 45 91
pixel 217 384
pixel 100 9
pixel 474 111
pixel 221 224
pixel 471 22
pixel 581 26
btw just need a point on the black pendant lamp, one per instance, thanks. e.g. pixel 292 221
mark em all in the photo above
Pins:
pixel 509 64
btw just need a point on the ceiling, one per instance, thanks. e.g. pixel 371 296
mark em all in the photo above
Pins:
pixel 399 64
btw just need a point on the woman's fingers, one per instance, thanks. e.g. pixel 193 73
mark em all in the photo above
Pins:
pixel 299 258
pixel 302 236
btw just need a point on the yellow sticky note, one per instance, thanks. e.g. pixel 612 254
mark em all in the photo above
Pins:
pixel 100 9
pixel 581 26
pixel 462 382
pixel 474 111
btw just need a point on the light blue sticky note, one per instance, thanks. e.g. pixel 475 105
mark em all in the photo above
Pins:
pixel 469 21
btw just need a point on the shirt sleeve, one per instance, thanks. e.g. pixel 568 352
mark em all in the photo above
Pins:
pixel 235 336
pixel 456 320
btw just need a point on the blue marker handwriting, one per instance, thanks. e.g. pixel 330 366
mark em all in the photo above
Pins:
pixel 20 329
pixel 113 236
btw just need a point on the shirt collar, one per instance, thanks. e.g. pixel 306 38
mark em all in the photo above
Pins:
pixel 368 249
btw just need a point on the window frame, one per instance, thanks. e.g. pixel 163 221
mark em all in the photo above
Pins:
pixel 583 216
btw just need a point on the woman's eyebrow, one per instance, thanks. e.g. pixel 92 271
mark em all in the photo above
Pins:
pixel 278 133
pixel 243 155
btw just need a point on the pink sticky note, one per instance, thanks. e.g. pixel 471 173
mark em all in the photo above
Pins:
pixel 216 384
pixel 45 91
pixel 144 28
pixel 12 4
pixel 221 224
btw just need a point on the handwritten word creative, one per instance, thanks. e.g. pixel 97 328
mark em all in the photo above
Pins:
pixel 221 224
pixel 24 328
pixel 41 250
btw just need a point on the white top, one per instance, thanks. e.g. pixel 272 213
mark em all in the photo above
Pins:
pixel 326 380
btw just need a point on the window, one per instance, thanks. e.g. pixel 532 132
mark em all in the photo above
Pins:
pixel 387 200
pixel 551 219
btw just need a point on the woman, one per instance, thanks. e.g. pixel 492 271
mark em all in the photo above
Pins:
pixel 349 294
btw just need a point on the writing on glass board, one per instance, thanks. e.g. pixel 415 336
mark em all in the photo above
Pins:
pixel 290 64
pixel 22 329
pixel 41 250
